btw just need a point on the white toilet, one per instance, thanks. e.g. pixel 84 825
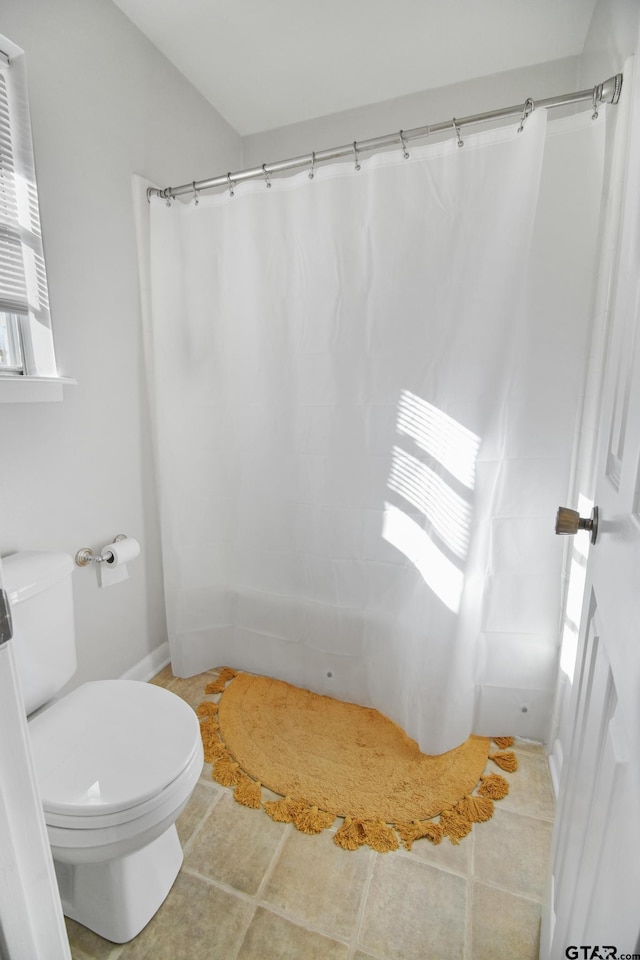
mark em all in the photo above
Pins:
pixel 116 761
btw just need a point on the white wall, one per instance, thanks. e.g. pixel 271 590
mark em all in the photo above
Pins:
pixel 105 104
pixel 612 37
pixel 415 110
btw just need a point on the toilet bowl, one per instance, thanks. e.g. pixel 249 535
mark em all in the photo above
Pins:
pixel 116 761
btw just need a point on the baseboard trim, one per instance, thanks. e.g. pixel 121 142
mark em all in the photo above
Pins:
pixel 150 665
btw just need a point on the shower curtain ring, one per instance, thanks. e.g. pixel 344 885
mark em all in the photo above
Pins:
pixel 169 195
pixel 355 154
pixel 529 107
pixel 594 115
pixel 195 194
pixel 405 152
pixel 312 172
pixel 457 129
pixel 266 177
pixel 231 193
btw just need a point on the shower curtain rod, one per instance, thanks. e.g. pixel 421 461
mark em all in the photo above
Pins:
pixel 606 92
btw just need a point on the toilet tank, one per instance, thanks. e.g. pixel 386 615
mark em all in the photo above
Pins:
pixel 38 585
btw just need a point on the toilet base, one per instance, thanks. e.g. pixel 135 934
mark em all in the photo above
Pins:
pixel 117 898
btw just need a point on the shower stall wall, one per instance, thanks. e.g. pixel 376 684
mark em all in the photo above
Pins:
pixel 365 388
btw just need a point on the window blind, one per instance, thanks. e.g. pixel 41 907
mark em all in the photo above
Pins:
pixel 13 287
pixel 24 297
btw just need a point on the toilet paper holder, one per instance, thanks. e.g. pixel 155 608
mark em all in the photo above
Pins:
pixel 86 556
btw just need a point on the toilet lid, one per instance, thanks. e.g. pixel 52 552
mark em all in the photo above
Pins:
pixel 109 745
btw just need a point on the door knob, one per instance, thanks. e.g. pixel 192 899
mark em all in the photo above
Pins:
pixel 569 522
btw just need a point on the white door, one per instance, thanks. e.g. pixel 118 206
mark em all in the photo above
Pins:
pixel 594 907
pixel 31 921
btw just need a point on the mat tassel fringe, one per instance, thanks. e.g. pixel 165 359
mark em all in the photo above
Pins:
pixel 455 822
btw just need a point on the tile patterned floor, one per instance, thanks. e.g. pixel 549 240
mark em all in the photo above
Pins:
pixel 252 889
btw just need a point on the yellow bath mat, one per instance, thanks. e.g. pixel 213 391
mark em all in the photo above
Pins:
pixel 328 759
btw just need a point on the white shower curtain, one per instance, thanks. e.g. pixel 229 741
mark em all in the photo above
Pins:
pixel 356 439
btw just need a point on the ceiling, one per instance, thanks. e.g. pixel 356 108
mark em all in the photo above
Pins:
pixel 268 63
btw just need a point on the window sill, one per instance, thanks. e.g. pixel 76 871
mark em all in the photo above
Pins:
pixel 32 389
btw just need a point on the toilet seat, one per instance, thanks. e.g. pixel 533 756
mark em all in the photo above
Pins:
pixel 111 752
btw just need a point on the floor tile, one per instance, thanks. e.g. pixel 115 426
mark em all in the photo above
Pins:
pixel 513 852
pixel 271 937
pixel 413 911
pixel 197 921
pixel 449 856
pixel 164 678
pixel 503 926
pixel 235 845
pixel 201 799
pixel 328 895
pixel 191 689
pixel 531 747
pixel 207 770
pixel 87 944
pixel 530 789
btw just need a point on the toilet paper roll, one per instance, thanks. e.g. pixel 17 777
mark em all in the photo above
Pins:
pixel 123 551
pixel 115 569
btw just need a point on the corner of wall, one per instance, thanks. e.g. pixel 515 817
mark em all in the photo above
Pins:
pixel 611 38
